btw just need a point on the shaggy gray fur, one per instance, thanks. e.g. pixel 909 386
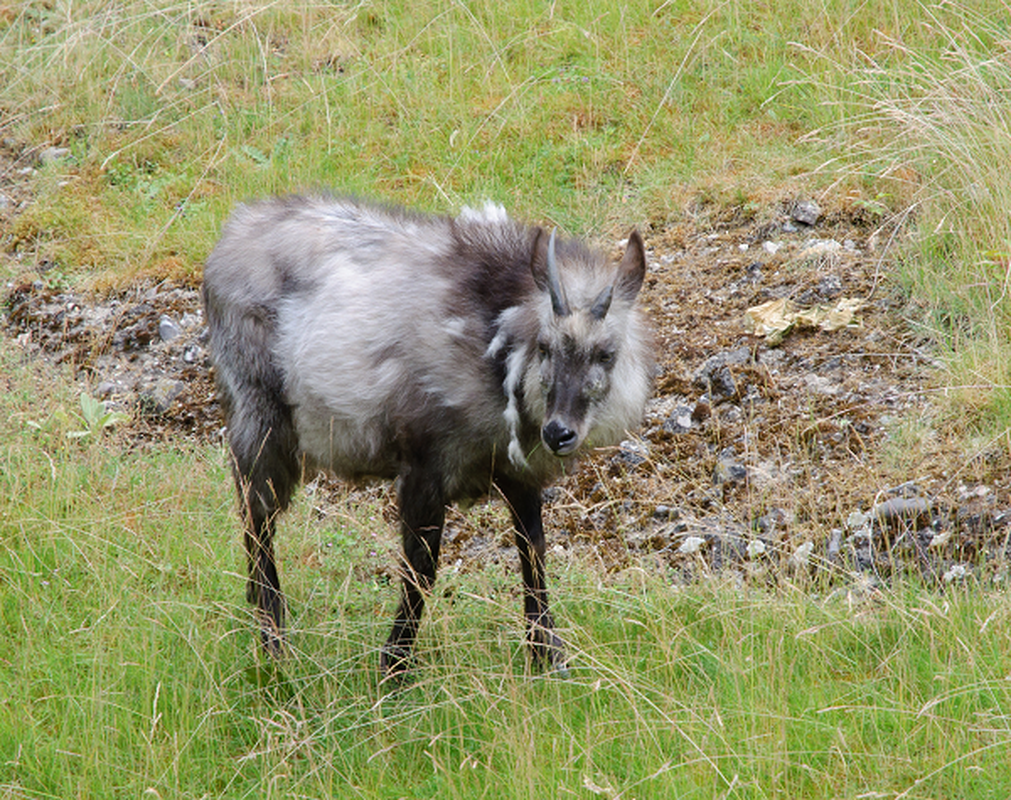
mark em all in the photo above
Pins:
pixel 462 356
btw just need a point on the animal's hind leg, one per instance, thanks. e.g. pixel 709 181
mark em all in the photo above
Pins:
pixel 422 515
pixel 524 502
pixel 266 470
pixel 263 587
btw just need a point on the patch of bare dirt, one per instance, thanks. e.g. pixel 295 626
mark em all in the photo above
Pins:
pixel 141 353
pixel 817 453
pixel 758 461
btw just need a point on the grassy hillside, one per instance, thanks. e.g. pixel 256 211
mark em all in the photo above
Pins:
pixel 128 130
pixel 592 115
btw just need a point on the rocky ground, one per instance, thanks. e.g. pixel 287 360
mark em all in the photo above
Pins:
pixel 802 452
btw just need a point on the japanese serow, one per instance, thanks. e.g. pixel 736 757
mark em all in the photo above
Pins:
pixel 461 356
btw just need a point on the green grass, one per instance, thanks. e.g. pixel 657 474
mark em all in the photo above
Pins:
pixel 128 661
pixel 592 115
pixel 130 665
pixel 924 118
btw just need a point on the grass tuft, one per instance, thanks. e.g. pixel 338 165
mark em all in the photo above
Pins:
pixel 922 116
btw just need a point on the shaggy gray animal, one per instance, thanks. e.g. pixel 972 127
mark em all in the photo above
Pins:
pixel 461 356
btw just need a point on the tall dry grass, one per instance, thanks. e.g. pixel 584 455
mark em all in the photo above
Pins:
pixel 924 119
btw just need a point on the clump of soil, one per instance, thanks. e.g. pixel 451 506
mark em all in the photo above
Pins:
pixel 758 461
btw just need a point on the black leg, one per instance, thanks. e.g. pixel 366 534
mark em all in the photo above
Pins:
pixel 265 465
pixel 524 502
pixel 263 587
pixel 422 514
pixel 261 435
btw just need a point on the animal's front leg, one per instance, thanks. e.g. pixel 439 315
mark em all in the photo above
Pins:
pixel 422 514
pixel 546 647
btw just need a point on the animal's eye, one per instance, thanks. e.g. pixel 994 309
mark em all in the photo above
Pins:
pixel 542 350
pixel 604 357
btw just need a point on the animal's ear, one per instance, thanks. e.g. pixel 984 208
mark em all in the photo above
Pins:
pixel 544 268
pixel 632 269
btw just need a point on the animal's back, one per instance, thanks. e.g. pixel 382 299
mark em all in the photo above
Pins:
pixel 285 246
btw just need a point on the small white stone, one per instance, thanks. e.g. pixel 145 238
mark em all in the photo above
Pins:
pixel 956 573
pixel 940 539
pixel 814 248
pixel 802 554
pixel 691 545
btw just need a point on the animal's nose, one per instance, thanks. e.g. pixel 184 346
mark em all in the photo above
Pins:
pixel 560 439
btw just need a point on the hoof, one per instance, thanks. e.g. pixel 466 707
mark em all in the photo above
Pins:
pixel 558 665
pixel 395 662
pixel 547 652
pixel 273 642
pixel 271 635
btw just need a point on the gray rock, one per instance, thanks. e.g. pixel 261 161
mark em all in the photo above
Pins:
pixel 775 519
pixel 801 557
pixel 819 249
pixel 631 454
pixel 731 414
pixel 806 212
pixel 715 375
pixel 158 398
pixel 834 544
pixel 898 510
pixel 53 154
pixel 729 469
pixel 691 545
pixel 819 384
pixel 551 494
pixel 681 421
pixel 907 489
pixel 168 329
pixel 830 287
pixel 665 513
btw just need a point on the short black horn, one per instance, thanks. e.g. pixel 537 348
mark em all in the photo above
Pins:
pixel 603 302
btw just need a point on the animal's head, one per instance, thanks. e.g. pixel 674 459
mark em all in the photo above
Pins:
pixel 590 376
